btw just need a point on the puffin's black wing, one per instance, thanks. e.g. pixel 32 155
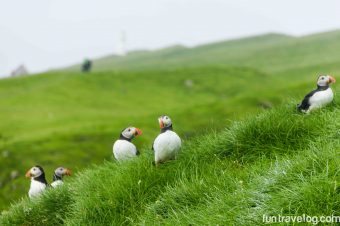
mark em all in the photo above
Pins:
pixel 304 105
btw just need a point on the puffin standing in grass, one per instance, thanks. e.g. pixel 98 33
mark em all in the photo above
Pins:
pixel 319 97
pixel 58 175
pixel 123 148
pixel 167 144
pixel 38 181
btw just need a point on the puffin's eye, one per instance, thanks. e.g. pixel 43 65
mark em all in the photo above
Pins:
pixel 166 117
pixel 34 169
pixel 129 130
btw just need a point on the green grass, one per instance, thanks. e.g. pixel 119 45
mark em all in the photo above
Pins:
pixel 231 176
pixel 72 119
pixel 238 162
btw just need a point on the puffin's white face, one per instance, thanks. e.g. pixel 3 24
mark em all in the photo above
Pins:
pixel 164 121
pixel 131 132
pixel 325 80
pixel 61 171
pixel 34 172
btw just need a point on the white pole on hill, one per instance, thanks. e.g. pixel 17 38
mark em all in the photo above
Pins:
pixel 122 44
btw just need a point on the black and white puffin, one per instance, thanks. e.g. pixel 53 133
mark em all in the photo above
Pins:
pixel 58 175
pixel 123 148
pixel 167 144
pixel 38 181
pixel 319 97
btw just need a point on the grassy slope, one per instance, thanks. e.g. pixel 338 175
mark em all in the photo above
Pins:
pixel 72 119
pixel 278 162
pixel 78 115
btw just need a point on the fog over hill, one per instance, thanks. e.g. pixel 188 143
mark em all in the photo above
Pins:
pixel 46 34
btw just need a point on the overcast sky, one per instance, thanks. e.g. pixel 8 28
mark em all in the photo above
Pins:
pixel 45 34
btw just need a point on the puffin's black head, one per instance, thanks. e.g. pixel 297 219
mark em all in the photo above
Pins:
pixel 130 132
pixel 325 80
pixel 35 172
pixel 165 122
pixel 60 172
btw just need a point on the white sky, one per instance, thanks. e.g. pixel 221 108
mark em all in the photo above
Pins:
pixel 45 34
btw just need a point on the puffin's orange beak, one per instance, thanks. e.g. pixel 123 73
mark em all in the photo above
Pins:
pixel 28 174
pixel 68 172
pixel 331 80
pixel 138 132
pixel 161 123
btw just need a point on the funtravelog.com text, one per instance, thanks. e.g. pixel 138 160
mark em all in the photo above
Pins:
pixel 304 218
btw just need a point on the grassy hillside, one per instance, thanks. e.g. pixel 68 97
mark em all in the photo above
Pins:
pixel 72 119
pixel 277 162
pixel 271 53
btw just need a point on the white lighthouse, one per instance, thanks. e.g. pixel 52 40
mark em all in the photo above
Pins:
pixel 122 44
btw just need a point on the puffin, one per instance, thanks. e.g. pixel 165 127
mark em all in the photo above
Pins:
pixel 167 144
pixel 58 175
pixel 319 97
pixel 38 181
pixel 123 148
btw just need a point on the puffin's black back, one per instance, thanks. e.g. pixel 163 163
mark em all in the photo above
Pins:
pixel 41 178
pixel 304 105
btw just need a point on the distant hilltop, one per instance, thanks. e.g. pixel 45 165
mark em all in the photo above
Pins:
pixel 269 52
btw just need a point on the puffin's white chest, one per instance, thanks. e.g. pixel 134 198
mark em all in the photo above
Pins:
pixel 321 98
pixel 57 183
pixel 36 188
pixel 166 146
pixel 123 149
